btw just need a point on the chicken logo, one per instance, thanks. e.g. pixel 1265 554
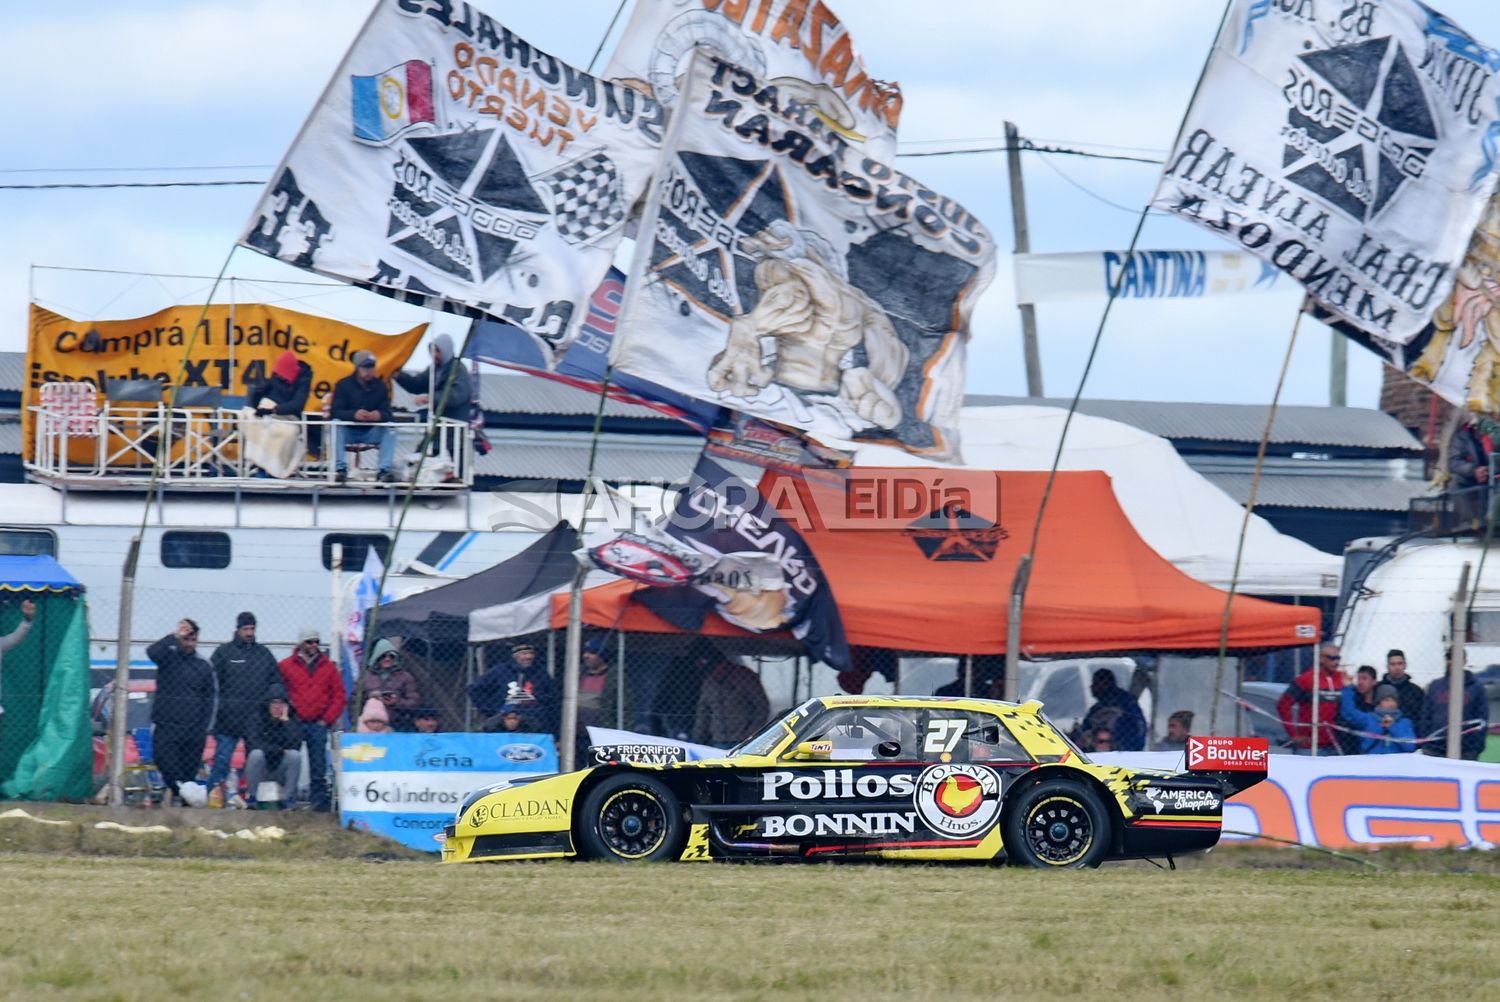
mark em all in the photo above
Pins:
pixel 958 796
pixel 958 801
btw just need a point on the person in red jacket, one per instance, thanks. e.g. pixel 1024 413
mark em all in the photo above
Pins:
pixel 1296 709
pixel 316 692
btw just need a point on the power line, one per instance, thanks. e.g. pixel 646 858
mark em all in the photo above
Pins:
pixel 127 170
pixel 130 184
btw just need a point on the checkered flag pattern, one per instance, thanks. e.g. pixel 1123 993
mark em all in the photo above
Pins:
pixel 587 198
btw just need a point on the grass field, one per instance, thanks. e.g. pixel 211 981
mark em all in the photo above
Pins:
pixel 96 924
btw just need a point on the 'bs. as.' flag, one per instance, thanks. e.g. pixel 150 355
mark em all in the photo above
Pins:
pixel 737 557
pixel 1353 146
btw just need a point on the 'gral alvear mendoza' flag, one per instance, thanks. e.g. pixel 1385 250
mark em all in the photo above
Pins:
pixel 1353 150
pixel 724 548
pixel 452 165
pixel 786 277
pixel 799 47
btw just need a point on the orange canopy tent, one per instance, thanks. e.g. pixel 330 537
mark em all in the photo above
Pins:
pixel 942 585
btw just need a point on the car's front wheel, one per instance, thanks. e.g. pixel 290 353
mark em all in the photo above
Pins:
pixel 631 818
pixel 1058 823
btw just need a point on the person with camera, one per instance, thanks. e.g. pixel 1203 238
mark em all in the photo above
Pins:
pixel 1384 730
pixel 384 679
pixel 316 691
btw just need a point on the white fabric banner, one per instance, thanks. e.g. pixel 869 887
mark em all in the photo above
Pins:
pixel 787 280
pixel 1358 800
pixel 452 165
pixel 1163 274
pixel 800 48
pixel 1354 152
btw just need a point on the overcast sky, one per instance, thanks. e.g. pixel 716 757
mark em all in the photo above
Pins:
pixel 103 91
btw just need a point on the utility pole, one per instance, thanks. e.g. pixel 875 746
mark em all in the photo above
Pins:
pixel 1338 370
pixel 1023 246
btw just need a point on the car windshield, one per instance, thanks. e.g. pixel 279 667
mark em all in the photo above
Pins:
pixel 765 740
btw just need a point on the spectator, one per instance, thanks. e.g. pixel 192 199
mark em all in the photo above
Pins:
pixel 425 720
pixel 275 750
pixel 517 678
pixel 384 679
pixel 374 719
pixel 988 680
pixel 285 395
pixel 1350 742
pixel 183 709
pixel 597 700
pixel 1116 709
pixel 243 671
pixel 1475 717
pixel 14 637
pixel 675 709
pixel 732 704
pixel 1413 699
pixel 1469 456
pixel 1385 730
pixel 432 387
pixel 1101 739
pixel 317 695
pixel 1179 728
pixel 513 718
pixel 1295 704
pixel 362 397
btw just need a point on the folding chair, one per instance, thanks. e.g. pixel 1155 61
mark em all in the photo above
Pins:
pixel 132 422
pixel 199 433
pixel 67 412
pixel 141 776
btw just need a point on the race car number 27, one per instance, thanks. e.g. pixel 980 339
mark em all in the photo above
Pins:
pixel 942 736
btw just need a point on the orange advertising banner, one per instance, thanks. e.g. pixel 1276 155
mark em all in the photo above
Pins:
pixel 230 347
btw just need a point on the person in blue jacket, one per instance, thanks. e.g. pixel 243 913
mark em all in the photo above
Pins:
pixel 1386 730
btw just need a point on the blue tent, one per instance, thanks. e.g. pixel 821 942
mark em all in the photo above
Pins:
pixel 36 574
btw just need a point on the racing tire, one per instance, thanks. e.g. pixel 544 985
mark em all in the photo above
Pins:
pixel 631 818
pixel 1058 824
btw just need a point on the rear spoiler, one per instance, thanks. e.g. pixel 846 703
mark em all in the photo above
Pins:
pixel 1238 763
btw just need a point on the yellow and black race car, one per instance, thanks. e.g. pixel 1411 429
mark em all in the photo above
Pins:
pixel 893 777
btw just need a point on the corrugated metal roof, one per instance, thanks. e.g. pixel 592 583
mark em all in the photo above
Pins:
pixel 1324 492
pixel 534 395
pixel 1356 427
pixel 621 458
pixel 12 371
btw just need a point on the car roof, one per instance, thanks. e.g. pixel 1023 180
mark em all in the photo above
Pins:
pixel 996 706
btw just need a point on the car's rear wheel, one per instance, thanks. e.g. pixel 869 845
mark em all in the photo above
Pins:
pixel 1058 824
pixel 631 818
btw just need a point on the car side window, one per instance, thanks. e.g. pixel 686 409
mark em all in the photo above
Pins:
pixel 856 731
pixel 967 736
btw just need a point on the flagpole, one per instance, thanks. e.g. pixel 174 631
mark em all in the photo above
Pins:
pixel 573 648
pixel 1022 578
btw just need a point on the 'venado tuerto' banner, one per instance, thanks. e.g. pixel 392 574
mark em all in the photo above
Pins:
pixel 783 276
pixel 1352 146
pixel 451 164
pixel 799 47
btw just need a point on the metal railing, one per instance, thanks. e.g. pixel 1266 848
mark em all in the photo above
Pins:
pixel 122 444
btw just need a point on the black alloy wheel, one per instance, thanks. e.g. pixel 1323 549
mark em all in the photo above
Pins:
pixel 1058 823
pixel 631 818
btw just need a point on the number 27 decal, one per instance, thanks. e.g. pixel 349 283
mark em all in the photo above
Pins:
pixel 943 735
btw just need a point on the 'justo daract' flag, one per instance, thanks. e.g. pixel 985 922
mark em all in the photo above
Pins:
pixel 388 104
pixel 1353 151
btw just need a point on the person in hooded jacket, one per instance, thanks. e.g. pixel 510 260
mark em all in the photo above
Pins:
pixel 243 670
pixel 275 747
pixel 373 719
pixel 1385 730
pixel 1476 708
pixel 432 388
pixel 285 394
pixel 183 709
pixel 384 679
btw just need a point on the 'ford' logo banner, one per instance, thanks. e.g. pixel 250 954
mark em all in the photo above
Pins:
pixel 406 787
